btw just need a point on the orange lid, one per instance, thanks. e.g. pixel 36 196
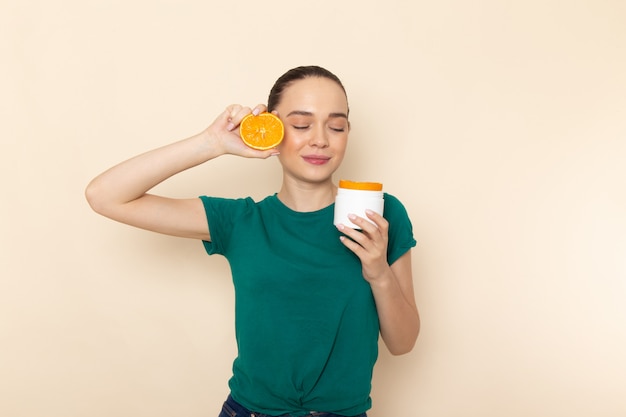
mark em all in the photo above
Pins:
pixel 355 185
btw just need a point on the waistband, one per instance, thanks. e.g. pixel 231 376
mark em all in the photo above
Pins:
pixel 232 408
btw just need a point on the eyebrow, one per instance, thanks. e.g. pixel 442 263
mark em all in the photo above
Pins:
pixel 308 113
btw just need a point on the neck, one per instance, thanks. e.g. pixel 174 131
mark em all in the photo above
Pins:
pixel 305 197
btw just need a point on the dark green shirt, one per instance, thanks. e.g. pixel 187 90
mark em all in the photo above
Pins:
pixel 305 318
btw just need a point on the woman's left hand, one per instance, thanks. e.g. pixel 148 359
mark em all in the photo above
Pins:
pixel 392 286
pixel 369 244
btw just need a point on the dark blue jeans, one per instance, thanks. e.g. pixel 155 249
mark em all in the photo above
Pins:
pixel 232 408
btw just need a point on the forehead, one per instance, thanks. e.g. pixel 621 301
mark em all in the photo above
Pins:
pixel 314 93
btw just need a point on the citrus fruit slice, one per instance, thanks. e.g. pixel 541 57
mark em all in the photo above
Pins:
pixel 355 185
pixel 261 132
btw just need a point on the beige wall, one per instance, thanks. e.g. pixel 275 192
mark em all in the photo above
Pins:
pixel 500 124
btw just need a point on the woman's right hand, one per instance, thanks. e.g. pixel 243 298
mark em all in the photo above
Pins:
pixel 224 131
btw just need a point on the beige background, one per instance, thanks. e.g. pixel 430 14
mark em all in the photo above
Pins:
pixel 500 124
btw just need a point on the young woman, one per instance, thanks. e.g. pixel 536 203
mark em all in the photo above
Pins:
pixel 310 298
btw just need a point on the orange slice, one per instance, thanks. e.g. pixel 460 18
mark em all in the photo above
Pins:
pixel 262 132
pixel 355 185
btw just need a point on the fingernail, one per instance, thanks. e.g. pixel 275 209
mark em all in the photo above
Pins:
pixel 368 211
pixel 340 226
pixel 351 216
pixel 230 126
pixel 275 154
pixel 256 112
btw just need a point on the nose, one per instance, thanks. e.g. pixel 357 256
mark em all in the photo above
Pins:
pixel 319 138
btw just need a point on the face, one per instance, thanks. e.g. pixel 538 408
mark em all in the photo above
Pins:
pixel 315 114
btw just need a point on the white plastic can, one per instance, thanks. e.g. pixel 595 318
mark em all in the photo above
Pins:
pixel 354 198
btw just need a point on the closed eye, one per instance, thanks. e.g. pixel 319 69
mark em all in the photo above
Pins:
pixel 300 127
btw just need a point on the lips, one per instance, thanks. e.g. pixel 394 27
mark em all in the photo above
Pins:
pixel 316 159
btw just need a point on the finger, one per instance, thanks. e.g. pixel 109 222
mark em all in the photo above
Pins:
pixel 230 113
pixel 258 109
pixel 353 246
pixel 355 235
pixel 236 114
pixel 367 227
pixel 240 114
pixel 381 223
pixel 232 110
pixel 253 153
pixel 349 242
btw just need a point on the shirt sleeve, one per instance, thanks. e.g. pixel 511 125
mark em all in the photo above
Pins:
pixel 222 215
pixel 401 237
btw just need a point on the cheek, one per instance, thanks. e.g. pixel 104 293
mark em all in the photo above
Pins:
pixel 289 144
pixel 291 140
pixel 339 152
pixel 341 144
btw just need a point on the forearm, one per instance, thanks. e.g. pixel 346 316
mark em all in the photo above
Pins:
pixel 131 179
pixel 398 317
pixel 392 285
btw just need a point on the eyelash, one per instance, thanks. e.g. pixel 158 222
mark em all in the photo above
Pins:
pixel 306 127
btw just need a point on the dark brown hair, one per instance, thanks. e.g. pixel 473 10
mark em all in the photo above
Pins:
pixel 295 74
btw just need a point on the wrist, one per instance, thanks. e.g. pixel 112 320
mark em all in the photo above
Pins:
pixel 383 281
pixel 209 145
